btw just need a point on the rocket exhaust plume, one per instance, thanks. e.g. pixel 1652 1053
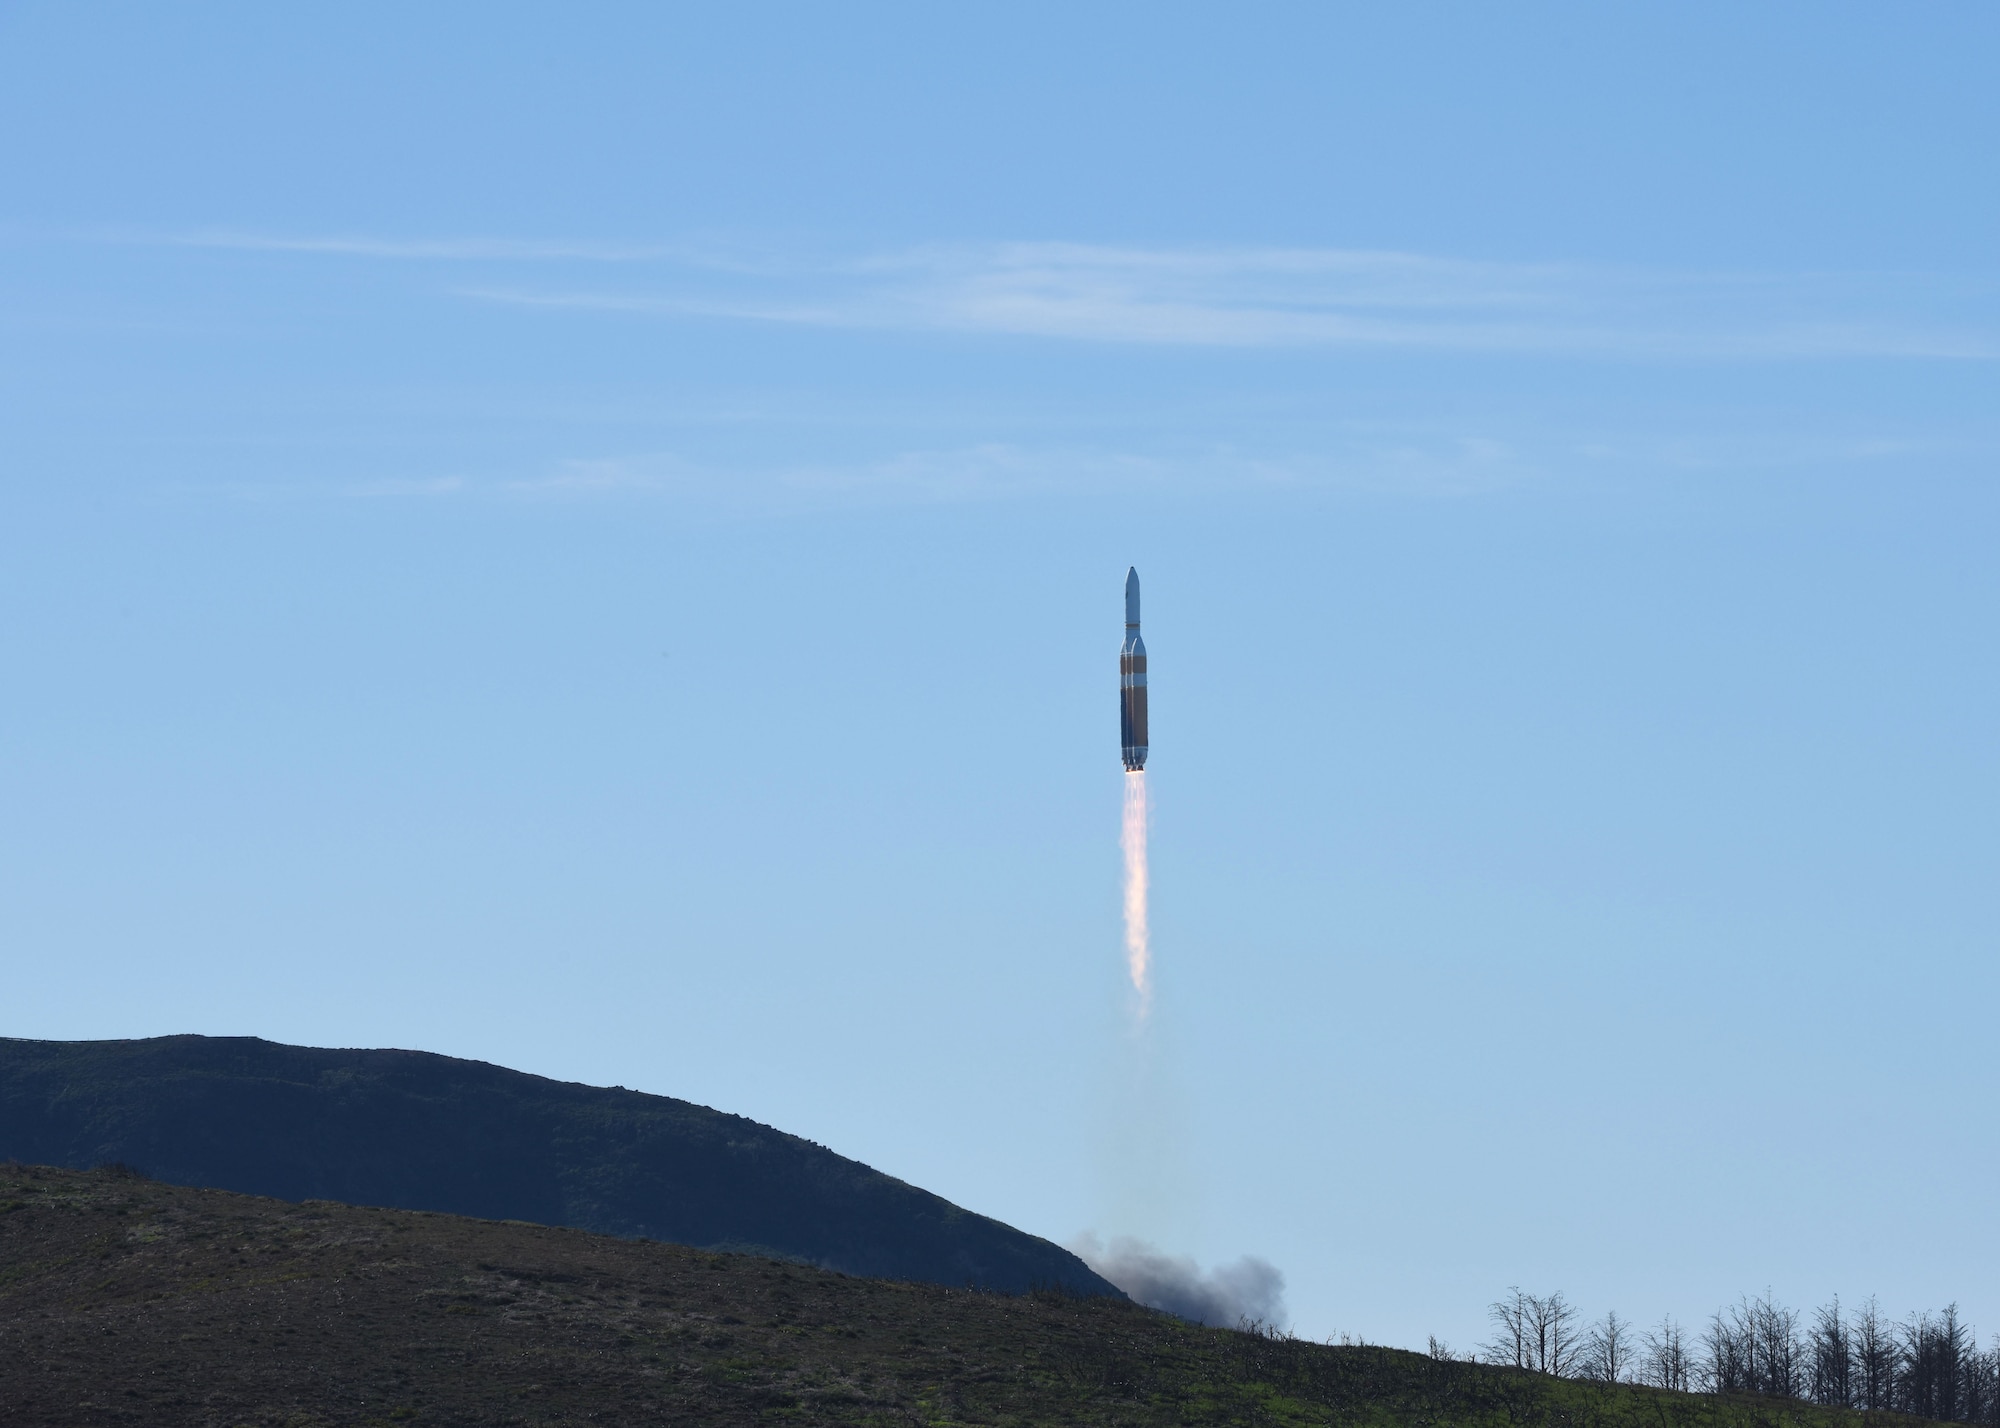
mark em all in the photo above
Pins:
pixel 1133 741
pixel 1138 951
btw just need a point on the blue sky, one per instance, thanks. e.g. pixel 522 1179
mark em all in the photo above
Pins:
pixel 591 538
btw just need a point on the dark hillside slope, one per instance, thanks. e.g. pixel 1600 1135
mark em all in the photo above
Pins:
pixel 423 1132
pixel 124 1301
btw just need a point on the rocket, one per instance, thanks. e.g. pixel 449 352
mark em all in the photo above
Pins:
pixel 1132 681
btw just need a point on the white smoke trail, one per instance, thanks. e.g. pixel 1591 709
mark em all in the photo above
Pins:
pixel 1138 947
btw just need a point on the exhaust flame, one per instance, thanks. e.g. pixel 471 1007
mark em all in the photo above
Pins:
pixel 1138 950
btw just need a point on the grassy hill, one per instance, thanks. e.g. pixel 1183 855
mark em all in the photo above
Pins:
pixel 425 1132
pixel 128 1301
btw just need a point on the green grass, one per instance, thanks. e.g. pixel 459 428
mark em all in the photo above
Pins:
pixel 126 1301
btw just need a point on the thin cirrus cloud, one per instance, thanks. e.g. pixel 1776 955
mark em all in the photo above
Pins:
pixel 981 472
pixel 463 250
pixel 1245 298
pixel 1317 298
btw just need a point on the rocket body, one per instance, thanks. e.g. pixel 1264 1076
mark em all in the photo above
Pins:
pixel 1132 681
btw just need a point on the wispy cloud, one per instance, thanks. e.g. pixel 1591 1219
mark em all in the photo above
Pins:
pixel 461 250
pixel 1193 297
pixel 1316 298
pixel 951 475
pixel 1354 461
pixel 1002 471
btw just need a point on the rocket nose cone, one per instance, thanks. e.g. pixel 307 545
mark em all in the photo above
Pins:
pixel 1132 596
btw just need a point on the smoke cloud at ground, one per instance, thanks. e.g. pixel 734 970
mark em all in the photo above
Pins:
pixel 1249 1288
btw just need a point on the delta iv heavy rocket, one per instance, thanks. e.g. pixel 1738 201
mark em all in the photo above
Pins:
pixel 1132 681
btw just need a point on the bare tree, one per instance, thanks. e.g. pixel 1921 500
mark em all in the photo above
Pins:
pixel 1559 1339
pixel 1929 1366
pixel 1934 1368
pixel 1830 1354
pixel 1754 1348
pixel 1664 1359
pixel 1981 1404
pixel 1876 1358
pixel 1609 1351
pixel 1725 1354
pixel 1777 1358
pixel 1509 1344
pixel 1535 1331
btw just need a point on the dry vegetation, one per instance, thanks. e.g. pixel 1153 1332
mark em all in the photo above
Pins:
pixel 127 1301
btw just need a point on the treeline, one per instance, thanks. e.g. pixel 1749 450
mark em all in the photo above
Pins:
pixel 1929 1365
